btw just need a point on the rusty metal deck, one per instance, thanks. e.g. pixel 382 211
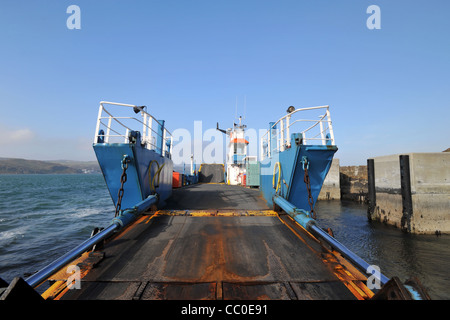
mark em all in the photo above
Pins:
pixel 195 253
pixel 216 196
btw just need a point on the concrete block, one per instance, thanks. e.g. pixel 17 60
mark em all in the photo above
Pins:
pixel 429 179
pixel 430 173
pixel 387 174
pixel 431 213
pixel 331 186
pixel 388 209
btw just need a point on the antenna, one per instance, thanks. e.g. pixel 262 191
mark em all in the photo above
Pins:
pixel 245 105
pixel 220 129
pixel 235 115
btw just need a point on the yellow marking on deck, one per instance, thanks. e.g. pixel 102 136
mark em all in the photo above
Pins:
pixel 212 183
pixel 60 285
pixel 217 213
pixel 149 218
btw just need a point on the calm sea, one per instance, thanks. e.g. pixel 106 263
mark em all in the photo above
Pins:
pixel 44 216
pixel 396 253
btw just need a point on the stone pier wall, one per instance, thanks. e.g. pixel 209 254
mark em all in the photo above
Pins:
pixel 354 183
pixel 345 183
pixel 412 192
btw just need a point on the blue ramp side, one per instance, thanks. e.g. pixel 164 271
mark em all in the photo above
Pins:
pixel 286 160
pixel 143 166
pixel 148 162
pixel 319 158
pixel 109 157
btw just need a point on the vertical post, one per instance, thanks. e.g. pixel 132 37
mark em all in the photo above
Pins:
pixel 321 132
pixel 108 130
pixel 405 183
pixel 97 127
pixel 164 146
pixel 149 135
pixel 144 128
pixel 371 187
pixel 281 135
pixel 160 137
pixel 273 137
pixel 288 136
pixel 330 127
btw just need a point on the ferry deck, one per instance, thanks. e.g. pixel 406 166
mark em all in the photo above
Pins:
pixel 213 242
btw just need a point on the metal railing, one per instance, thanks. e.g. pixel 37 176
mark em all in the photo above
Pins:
pixel 116 128
pixel 313 131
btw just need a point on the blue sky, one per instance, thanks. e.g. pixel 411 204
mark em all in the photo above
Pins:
pixel 388 89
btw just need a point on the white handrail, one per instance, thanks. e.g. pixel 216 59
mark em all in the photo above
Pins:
pixel 284 126
pixel 132 106
pixel 148 133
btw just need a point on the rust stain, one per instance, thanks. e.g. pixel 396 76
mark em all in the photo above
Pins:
pixel 155 269
pixel 214 266
pixel 213 259
pixel 352 282
pixel 356 286
pixel 276 268
pixel 86 262
pixel 300 236
pixel 128 228
pixel 149 218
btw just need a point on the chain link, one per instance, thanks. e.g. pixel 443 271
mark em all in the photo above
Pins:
pixel 308 186
pixel 123 179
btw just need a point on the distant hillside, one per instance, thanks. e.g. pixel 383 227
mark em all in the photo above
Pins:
pixel 23 166
pixel 84 166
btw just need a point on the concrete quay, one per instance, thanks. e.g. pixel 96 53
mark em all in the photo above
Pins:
pixel 345 183
pixel 331 188
pixel 411 191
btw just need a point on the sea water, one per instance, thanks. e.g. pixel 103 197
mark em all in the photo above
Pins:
pixel 44 216
pixel 394 252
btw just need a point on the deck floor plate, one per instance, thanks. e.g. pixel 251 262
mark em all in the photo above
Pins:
pixel 212 241
pixel 216 196
pixel 189 257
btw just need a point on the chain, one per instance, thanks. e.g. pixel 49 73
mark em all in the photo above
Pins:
pixel 123 179
pixel 308 185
